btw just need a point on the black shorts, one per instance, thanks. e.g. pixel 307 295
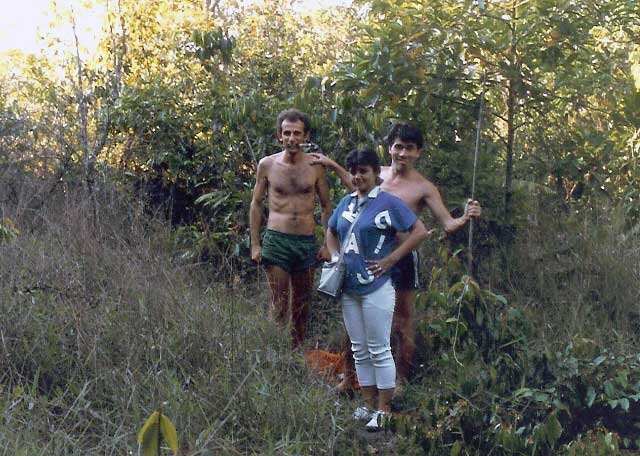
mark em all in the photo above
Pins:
pixel 405 274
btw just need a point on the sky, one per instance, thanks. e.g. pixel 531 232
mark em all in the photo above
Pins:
pixel 23 21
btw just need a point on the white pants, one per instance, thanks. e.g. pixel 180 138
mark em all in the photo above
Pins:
pixel 368 320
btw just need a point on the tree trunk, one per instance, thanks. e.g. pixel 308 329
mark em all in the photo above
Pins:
pixel 511 133
pixel 514 74
pixel 83 113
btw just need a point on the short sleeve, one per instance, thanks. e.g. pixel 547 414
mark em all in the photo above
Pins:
pixel 403 217
pixel 333 220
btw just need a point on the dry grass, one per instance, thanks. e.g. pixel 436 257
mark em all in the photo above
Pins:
pixel 576 271
pixel 100 324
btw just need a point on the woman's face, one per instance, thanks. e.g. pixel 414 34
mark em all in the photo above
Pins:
pixel 364 178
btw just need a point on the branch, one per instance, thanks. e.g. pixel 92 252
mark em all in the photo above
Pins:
pixel 82 102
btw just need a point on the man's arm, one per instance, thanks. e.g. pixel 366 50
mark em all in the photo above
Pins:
pixel 322 188
pixel 255 211
pixel 450 224
pixel 342 173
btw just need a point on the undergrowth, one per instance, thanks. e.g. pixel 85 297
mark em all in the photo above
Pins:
pixel 103 321
pixel 550 367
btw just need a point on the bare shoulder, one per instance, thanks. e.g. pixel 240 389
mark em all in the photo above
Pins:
pixel 425 184
pixel 265 163
pixel 419 183
pixel 423 188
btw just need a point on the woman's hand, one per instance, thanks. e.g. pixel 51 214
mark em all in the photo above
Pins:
pixel 417 234
pixel 381 266
pixel 323 254
pixel 321 159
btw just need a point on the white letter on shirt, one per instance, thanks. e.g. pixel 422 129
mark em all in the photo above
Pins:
pixel 352 245
pixel 383 220
pixel 364 281
pixel 380 242
pixel 349 214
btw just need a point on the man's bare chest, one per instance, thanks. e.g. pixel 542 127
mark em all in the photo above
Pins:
pixel 408 193
pixel 292 180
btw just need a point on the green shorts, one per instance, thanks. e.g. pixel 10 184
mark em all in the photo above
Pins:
pixel 291 252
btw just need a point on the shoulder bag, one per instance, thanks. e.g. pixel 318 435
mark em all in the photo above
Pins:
pixel 332 275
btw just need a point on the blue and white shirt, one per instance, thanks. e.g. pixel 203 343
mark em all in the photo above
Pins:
pixel 373 237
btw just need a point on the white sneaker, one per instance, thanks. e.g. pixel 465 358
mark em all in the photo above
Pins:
pixel 362 413
pixel 377 421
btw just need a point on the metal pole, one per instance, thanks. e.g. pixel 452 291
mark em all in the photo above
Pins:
pixel 475 165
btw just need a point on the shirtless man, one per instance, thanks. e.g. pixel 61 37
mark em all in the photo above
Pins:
pixel 401 179
pixel 289 250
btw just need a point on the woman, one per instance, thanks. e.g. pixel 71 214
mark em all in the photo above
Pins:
pixel 368 297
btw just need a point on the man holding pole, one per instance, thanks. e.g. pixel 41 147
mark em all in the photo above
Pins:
pixel 401 179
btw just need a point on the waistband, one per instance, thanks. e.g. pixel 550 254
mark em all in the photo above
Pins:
pixel 298 237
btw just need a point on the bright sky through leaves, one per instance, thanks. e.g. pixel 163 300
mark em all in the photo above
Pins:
pixel 24 22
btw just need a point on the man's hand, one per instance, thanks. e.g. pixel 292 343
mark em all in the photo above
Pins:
pixel 323 254
pixel 256 253
pixel 472 210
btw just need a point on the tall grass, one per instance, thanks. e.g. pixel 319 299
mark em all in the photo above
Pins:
pixel 100 324
pixel 577 271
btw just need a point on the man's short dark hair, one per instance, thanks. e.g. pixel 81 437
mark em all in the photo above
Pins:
pixel 363 157
pixel 407 133
pixel 293 115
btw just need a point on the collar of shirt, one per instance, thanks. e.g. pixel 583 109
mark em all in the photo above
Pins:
pixel 373 193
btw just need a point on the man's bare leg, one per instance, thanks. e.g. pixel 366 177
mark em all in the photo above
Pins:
pixel 403 327
pixel 348 382
pixel 278 280
pixel 384 399
pixel 301 292
pixel 370 396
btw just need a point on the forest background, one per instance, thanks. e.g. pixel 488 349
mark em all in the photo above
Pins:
pixel 125 180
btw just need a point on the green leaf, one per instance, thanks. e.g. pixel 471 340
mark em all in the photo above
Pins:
pixel 523 392
pixel 169 433
pixel 635 71
pixel 609 390
pixel 599 360
pixel 591 396
pixel 624 403
pixel 553 429
pixel 456 448
pixel 541 397
pixel 623 378
pixel 501 299
pixel 608 439
pixel 148 435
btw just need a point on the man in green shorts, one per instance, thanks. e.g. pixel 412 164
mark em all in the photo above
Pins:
pixel 289 251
